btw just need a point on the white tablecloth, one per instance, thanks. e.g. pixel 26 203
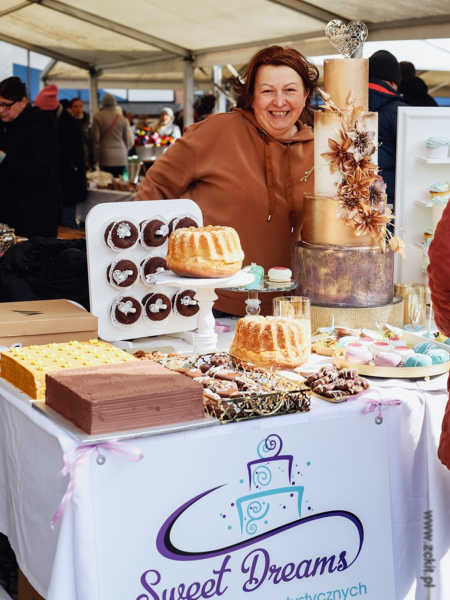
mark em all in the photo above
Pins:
pixel 61 563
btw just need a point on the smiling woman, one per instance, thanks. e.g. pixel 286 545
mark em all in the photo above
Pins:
pixel 244 168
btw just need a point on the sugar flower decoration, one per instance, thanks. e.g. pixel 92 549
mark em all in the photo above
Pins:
pixel 362 144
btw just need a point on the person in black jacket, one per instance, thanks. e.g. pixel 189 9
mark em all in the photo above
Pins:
pixel 384 79
pixel 414 89
pixel 71 163
pixel 28 164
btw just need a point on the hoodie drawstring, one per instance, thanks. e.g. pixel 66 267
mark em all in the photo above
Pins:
pixel 288 183
pixel 270 192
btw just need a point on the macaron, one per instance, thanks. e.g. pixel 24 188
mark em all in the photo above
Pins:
pixel 366 341
pixel 395 341
pixel 356 347
pixel 438 356
pixel 359 357
pixel 423 347
pixel 403 351
pixel 280 274
pixel 418 360
pixel 347 339
pixel 379 347
pixel 387 359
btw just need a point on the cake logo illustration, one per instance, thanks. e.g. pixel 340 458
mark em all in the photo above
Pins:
pixel 272 506
pixel 270 481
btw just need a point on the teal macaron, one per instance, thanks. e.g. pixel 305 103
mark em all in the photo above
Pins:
pixel 438 356
pixel 423 347
pixel 418 360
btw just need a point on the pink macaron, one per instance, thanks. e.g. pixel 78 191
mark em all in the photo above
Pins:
pixel 395 341
pixel 366 341
pixel 359 357
pixel 403 351
pixel 387 359
pixel 379 347
pixel 355 347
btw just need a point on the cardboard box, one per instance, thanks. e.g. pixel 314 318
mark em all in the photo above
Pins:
pixel 26 590
pixel 45 321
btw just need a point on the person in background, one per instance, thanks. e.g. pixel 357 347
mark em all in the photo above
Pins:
pixel 28 164
pixel 414 89
pixel 111 138
pixel 71 162
pixel 130 118
pixel 204 107
pixel 179 119
pixel 384 79
pixel 439 284
pixel 83 122
pixel 166 125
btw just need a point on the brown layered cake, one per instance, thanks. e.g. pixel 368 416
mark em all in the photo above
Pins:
pixel 26 368
pixel 272 341
pixel 343 258
pixel 205 252
pixel 113 398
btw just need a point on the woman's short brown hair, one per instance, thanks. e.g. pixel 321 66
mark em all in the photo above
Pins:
pixel 276 56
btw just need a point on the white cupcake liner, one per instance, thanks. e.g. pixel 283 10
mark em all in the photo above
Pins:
pixel 437 151
pixel 144 311
pixel 113 308
pixel 142 227
pixel 108 241
pixel 174 302
pixel 155 275
pixel 114 263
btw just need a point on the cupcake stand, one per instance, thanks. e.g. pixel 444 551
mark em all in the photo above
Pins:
pixel 253 303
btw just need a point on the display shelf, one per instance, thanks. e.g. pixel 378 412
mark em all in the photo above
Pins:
pixel 426 203
pixel 418 245
pixel 433 161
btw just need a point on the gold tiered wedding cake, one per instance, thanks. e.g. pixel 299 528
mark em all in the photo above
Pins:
pixel 343 259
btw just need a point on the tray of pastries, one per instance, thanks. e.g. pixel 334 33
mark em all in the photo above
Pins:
pixel 234 390
pixel 335 385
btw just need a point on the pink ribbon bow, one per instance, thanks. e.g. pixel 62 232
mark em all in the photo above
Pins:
pixel 82 454
pixel 373 404
pixel 221 328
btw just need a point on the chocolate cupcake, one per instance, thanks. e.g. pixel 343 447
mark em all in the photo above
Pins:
pixel 125 311
pixel 122 273
pixel 180 222
pixel 121 235
pixel 157 307
pixel 154 232
pixel 184 303
pixel 150 267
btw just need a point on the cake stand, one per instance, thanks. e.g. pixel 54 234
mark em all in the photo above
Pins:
pixel 205 339
pixel 253 302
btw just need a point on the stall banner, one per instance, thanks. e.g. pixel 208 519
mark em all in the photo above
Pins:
pixel 285 512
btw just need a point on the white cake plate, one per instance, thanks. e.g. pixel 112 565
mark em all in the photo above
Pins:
pixel 205 339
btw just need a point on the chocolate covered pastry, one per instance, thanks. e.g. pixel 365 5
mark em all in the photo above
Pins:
pixel 121 235
pixel 122 273
pixel 184 303
pixel 151 266
pixel 154 232
pixel 181 222
pixel 125 311
pixel 157 307
pixel 333 383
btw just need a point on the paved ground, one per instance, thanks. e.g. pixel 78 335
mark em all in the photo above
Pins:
pixel 8 569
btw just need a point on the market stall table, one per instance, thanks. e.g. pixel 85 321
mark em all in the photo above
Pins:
pixel 64 562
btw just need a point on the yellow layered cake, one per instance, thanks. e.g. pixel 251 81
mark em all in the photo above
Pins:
pixel 26 368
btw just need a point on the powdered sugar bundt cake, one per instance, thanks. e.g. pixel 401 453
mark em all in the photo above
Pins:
pixel 272 341
pixel 204 252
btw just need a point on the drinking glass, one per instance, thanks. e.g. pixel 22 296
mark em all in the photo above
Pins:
pixel 298 308
pixel 415 303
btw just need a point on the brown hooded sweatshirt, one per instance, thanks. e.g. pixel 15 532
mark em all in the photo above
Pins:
pixel 243 178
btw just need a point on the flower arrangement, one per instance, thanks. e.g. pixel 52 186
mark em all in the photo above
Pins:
pixel 144 137
pixel 361 190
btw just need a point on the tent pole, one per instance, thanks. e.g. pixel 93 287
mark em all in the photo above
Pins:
pixel 188 92
pixel 93 92
pixel 221 105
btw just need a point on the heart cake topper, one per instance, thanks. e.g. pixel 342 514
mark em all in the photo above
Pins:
pixel 346 38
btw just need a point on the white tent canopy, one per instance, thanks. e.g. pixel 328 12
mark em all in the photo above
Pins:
pixel 163 43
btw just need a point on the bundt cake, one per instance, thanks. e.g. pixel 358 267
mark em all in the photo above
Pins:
pixel 204 252
pixel 272 341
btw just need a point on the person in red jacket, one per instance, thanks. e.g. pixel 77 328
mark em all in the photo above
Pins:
pixel 439 283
